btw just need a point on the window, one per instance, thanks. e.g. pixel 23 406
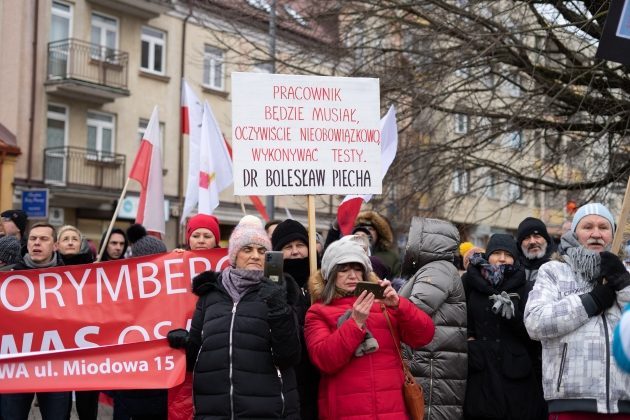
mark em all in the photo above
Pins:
pixel 100 141
pixel 514 192
pixel 512 86
pixel 460 181
pixel 142 127
pixel 461 123
pixel 61 21
pixel 513 140
pixel 56 140
pixel 153 47
pixel 104 37
pixel 262 68
pixel 213 67
pixel 491 186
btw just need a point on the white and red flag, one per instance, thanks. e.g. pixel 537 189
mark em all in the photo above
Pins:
pixel 350 207
pixel 215 165
pixel 192 110
pixel 147 170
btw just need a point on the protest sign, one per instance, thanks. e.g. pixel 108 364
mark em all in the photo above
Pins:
pixel 98 326
pixel 305 134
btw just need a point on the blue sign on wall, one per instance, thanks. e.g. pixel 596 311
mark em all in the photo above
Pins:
pixel 35 203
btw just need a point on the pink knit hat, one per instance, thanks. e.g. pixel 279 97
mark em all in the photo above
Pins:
pixel 248 231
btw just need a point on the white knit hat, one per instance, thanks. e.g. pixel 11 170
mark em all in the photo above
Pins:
pixel 589 209
pixel 344 251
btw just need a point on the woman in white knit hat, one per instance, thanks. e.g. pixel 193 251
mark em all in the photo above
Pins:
pixel 243 341
pixel 349 340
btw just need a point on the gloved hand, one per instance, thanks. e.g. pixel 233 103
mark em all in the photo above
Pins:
pixel 614 271
pixel 604 296
pixel 275 296
pixel 177 339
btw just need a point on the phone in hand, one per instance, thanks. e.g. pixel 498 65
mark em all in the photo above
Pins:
pixel 274 265
pixel 370 287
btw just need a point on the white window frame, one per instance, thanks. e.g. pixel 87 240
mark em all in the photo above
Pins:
pixel 491 187
pixel 63 117
pixel 100 126
pixel 514 193
pixel 461 181
pixel 62 14
pixel 103 27
pixel 514 140
pixel 143 123
pixel 212 61
pixel 461 123
pixel 153 42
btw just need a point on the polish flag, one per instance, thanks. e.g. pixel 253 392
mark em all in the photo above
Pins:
pixel 350 207
pixel 192 110
pixel 215 167
pixel 147 170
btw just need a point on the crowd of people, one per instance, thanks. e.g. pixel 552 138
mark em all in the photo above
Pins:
pixel 522 328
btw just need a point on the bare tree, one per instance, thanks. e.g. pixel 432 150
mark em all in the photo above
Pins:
pixel 491 94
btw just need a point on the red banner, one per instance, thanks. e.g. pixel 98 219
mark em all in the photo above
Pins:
pixel 98 326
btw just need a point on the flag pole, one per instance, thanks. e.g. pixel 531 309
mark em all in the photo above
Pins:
pixel 240 198
pixel 621 222
pixel 312 240
pixel 111 223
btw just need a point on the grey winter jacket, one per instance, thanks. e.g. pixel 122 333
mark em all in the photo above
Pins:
pixel 436 288
pixel 578 371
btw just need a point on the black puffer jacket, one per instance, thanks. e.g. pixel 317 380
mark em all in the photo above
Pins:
pixel 436 288
pixel 501 377
pixel 243 359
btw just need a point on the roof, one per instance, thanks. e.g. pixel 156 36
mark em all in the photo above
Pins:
pixel 8 141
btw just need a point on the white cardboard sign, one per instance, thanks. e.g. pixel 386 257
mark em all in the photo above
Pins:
pixel 305 135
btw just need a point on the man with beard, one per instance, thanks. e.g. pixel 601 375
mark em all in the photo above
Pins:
pixel 291 238
pixel 573 309
pixel 534 246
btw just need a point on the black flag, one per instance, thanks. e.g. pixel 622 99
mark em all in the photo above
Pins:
pixel 615 42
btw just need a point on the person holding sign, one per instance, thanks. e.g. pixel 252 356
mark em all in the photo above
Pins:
pixel 573 309
pixel 349 340
pixel 244 339
pixel 41 245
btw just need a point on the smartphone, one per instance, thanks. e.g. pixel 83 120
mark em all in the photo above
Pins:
pixel 370 287
pixel 274 264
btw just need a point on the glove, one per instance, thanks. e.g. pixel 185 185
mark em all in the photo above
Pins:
pixel 604 296
pixel 177 339
pixel 275 296
pixel 614 271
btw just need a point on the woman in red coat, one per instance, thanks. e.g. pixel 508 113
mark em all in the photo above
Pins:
pixel 349 341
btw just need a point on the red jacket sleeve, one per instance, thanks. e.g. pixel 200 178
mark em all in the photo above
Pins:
pixel 415 327
pixel 330 349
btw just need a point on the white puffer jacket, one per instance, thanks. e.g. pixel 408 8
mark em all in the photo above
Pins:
pixel 579 373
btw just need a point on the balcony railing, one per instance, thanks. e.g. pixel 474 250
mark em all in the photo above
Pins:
pixel 78 167
pixel 89 66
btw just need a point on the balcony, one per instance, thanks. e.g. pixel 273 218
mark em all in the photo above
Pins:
pixel 143 9
pixel 88 72
pixel 79 168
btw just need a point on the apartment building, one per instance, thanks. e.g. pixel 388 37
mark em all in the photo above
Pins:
pixel 80 79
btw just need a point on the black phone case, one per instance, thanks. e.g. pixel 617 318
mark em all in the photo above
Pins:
pixel 274 265
pixel 371 287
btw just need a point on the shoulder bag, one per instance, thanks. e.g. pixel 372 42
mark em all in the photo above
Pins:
pixel 412 391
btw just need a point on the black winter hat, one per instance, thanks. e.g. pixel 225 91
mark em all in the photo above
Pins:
pixel 288 231
pixel 9 249
pixel 501 242
pixel 529 226
pixel 19 217
pixel 143 244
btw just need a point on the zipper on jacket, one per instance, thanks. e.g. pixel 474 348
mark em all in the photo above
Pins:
pixel 607 362
pixel 231 367
pixel 564 356
pixel 430 387
pixel 281 389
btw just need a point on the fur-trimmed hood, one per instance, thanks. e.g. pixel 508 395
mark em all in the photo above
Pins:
pixel 382 226
pixel 316 284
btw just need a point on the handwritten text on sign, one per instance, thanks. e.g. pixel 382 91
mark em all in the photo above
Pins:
pixel 305 135
pixel 98 326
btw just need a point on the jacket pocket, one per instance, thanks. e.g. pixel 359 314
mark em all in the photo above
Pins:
pixel 516 363
pixel 562 361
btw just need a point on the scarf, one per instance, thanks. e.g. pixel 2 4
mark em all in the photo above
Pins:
pixel 32 264
pixel 238 281
pixel 494 273
pixel 582 260
pixel 369 343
